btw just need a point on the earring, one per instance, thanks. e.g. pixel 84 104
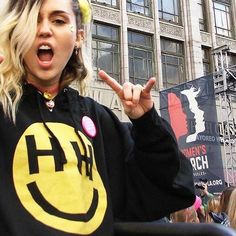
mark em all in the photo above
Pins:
pixel 76 49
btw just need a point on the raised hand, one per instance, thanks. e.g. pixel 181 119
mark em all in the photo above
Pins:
pixel 136 99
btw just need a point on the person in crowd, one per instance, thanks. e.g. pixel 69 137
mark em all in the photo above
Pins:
pixel 204 193
pixel 199 209
pixel 212 206
pixel 232 209
pixel 198 202
pixel 187 215
pixel 221 217
pixel 68 165
pixel 224 199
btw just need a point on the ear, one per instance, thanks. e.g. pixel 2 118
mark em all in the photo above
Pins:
pixel 79 38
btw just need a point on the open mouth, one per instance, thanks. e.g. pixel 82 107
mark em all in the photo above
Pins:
pixel 45 53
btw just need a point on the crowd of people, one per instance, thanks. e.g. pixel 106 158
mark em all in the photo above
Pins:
pixel 216 209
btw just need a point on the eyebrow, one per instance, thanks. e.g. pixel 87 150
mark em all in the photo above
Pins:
pixel 58 12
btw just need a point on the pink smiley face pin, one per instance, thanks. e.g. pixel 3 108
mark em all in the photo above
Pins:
pixel 89 126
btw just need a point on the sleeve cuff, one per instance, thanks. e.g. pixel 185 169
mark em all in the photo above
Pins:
pixel 146 122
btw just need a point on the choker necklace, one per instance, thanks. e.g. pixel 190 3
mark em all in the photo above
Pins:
pixel 48 95
pixel 49 100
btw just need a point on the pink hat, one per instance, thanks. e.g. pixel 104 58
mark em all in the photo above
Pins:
pixel 197 203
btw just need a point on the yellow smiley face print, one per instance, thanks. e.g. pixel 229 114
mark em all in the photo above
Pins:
pixel 69 197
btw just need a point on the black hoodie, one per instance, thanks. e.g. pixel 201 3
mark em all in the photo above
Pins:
pixel 61 177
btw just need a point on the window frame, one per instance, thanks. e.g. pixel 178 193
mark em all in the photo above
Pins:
pixel 104 3
pixel 178 14
pixel 147 4
pixel 174 55
pixel 231 59
pixel 135 47
pixel 206 60
pixel 228 17
pixel 203 21
pixel 96 38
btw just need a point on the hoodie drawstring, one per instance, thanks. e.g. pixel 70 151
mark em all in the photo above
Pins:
pixel 62 157
pixel 80 110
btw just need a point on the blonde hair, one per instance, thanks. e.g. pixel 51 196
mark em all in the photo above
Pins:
pixel 212 206
pixel 185 215
pixel 232 209
pixel 224 199
pixel 17 30
pixel 18 27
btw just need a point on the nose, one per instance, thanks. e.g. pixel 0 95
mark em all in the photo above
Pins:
pixel 44 29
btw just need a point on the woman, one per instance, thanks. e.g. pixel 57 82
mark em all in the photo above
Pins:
pixel 187 215
pixel 232 209
pixel 224 199
pixel 212 206
pixel 68 166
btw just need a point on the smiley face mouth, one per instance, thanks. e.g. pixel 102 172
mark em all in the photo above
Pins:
pixel 49 208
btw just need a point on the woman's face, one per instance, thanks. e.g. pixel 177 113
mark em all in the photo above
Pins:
pixel 54 43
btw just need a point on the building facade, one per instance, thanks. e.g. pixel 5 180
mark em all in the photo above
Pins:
pixel 173 40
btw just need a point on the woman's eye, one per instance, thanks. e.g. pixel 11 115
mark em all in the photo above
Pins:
pixel 59 21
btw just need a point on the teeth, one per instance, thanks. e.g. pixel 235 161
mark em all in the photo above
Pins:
pixel 44 47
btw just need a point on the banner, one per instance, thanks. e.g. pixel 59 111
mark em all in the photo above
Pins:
pixel 191 111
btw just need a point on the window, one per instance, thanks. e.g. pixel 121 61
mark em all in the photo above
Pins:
pixel 169 10
pixel 112 3
pixel 231 59
pixel 140 57
pixel 140 6
pixel 202 15
pixel 105 50
pixel 222 18
pixel 172 62
pixel 206 60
